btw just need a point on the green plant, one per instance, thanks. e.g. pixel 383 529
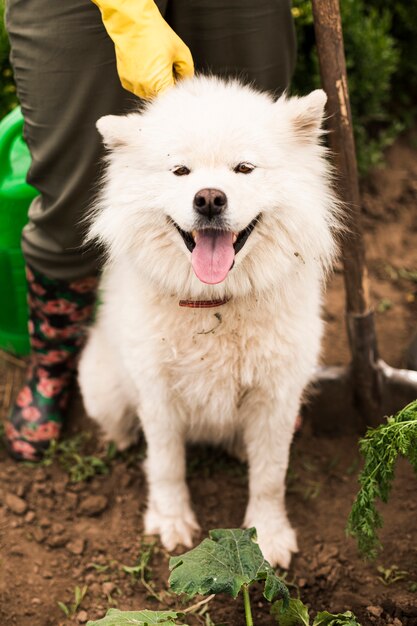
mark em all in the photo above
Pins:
pixel 390 575
pixel 404 29
pixel 141 570
pixel 379 41
pixel 380 448
pixel 8 99
pixel 402 272
pixel 296 614
pixel 79 595
pixel 385 304
pixel 229 562
pixel 71 456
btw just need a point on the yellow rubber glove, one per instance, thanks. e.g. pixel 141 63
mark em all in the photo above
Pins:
pixel 150 56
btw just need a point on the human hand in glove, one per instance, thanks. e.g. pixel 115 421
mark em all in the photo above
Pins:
pixel 150 56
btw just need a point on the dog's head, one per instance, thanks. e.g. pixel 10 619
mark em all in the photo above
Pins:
pixel 215 189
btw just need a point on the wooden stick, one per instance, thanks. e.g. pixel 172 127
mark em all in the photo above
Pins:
pixel 329 38
pixel 360 321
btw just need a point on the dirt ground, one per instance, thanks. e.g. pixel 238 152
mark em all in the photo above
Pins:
pixel 57 535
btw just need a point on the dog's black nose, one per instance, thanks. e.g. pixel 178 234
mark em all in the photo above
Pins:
pixel 210 202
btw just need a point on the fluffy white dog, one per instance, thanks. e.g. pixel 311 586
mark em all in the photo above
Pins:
pixel 218 219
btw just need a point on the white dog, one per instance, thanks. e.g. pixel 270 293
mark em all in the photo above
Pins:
pixel 218 219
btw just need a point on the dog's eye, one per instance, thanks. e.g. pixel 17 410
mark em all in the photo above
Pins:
pixel 244 168
pixel 180 170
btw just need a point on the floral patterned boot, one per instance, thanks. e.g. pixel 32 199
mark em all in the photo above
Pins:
pixel 59 311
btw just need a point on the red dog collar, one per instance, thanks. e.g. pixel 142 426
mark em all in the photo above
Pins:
pixel 203 304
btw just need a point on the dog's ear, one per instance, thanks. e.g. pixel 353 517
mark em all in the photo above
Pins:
pixel 307 114
pixel 116 130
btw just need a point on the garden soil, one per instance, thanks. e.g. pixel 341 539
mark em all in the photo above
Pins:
pixel 56 535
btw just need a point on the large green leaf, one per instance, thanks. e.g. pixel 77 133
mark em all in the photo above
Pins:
pixel 223 564
pixel 324 618
pixel 114 617
pixel 294 614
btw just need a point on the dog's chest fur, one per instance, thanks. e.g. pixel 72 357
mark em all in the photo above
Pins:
pixel 208 359
pixel 211 358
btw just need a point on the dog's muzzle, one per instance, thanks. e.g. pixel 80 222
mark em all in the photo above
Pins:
pixel 213 250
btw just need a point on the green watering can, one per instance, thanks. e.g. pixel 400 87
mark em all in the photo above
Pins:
pixel 15 198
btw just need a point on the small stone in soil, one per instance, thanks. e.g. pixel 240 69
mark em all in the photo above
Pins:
pixel 93 505
pixel 94 588
pixel 78 487
pixel 89 578
pixel 29 517
pixel 125 480
pixel 71 500
pixel 39 474
pixel 60 487
pixel 77 546
pixel 327 553
pixel 77 572
pixel 15 504
pixel 20 490
pixel 44 522
pixel 38 535
pixel 15 524
pixel 108 588
pixel 376 611
pixel 57 541
pixel 57 528
pixel 82 617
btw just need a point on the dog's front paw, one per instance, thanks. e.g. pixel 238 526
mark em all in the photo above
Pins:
pixel 277 543
pixel 276 538
pixel 173 530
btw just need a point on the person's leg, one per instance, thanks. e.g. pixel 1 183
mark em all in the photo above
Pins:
pixel 66 78
pixel 254 40
pixel 59 310
pixel 64 66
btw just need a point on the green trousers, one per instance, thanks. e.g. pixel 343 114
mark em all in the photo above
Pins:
pixel 65 71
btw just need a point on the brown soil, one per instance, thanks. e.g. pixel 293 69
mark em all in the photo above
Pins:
pixel 56 535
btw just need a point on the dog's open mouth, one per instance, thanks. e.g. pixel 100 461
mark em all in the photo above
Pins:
pixel 213 250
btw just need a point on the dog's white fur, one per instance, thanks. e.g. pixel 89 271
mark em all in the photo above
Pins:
pixel 235 374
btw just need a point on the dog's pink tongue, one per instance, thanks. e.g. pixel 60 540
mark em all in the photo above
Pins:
pixel 213 255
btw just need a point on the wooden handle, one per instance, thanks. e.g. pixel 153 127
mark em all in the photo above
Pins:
pixel 329 38
pixel 364 374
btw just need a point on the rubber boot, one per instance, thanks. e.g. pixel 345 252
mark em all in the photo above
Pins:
pixel 58 314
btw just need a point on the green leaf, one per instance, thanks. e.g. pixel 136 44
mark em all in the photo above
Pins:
pixel 80 594
pixel 294 614
pixel 324 618
pixel 222 564
pixel 135 570
pixel 274 586
pixel 380 448
pixel 64 608
pixel 114 617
